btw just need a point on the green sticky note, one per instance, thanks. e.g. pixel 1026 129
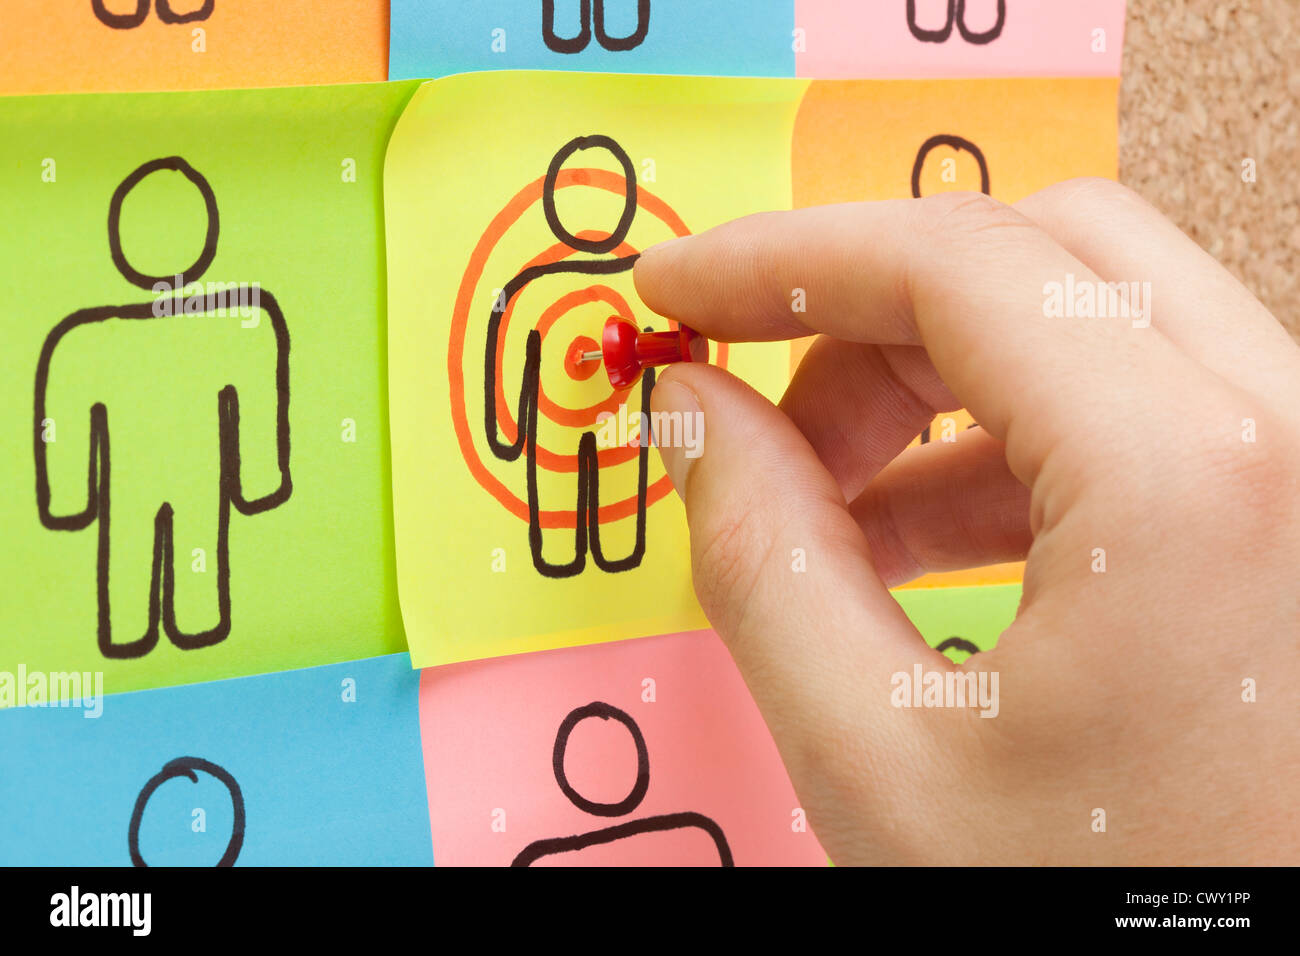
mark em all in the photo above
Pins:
pixel 196 471
pixel 961 620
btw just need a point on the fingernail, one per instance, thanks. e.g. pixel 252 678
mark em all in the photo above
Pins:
pixel 680 407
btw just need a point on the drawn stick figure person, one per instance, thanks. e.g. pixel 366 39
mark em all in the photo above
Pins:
pixel 587 508
pixel 580 40
pixel 959 644
pixel 188 767
pixel 958 144
pixel 956 17
pixel 167 13
pixel 622 831
pixel 115 552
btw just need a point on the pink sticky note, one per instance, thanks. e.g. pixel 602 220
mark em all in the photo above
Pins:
pixel 642 752
pixel 956 38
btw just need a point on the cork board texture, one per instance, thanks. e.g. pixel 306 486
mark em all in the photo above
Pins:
pixel 1207 86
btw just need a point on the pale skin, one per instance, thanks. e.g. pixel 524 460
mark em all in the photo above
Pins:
pixel 1120 690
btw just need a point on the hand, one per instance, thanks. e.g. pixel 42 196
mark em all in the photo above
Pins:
pixel 1163 449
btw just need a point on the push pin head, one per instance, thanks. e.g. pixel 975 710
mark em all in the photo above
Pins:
pixel 627 351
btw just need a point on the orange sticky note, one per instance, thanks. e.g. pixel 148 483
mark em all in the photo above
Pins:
pixel 893 139
pixel 125 45
pixel 1005 137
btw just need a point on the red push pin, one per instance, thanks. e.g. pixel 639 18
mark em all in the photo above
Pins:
pixel 627 351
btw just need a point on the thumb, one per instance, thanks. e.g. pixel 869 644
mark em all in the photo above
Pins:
pixel 785 576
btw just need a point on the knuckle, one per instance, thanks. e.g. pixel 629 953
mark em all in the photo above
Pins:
pixel 1252 474
pixel 1097 198
pixel 963 216
pixel 1091 189
pixel 1248 490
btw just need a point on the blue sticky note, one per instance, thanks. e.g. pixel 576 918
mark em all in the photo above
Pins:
pixel 321 766
pixel 718 38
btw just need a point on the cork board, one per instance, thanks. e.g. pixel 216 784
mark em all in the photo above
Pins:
pixel 1208 84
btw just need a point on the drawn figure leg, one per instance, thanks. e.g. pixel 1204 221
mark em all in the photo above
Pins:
pixel 528 430
pixel 190 579
pixel 589 465
pixel 129 575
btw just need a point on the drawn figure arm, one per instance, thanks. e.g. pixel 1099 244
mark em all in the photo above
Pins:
pixel 266 368
pixel 62 432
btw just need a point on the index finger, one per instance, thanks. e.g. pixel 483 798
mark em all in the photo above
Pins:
pixel 960 274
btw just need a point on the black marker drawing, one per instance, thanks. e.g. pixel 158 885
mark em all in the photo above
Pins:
pixel 162 577
pixel 185 767
pixel 925 434
pixel 959 144
pixel 166 13
pixel 587 509
pixel 580 41
pixel 954 142
pixel 120 21
pixel 658 824
pixel 957 15
pixel 957 643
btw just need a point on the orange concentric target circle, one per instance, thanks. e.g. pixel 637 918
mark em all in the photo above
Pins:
pixel 548 459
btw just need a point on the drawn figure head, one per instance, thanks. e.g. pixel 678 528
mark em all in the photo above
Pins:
pixel 957 144
pixel 200 265
pixel 636 795
pixel 186 767
pixel 620 231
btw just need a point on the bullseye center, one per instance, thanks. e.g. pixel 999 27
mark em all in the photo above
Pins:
pixel 579 370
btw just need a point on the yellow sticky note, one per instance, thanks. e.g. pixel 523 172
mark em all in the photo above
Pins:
pixel 529 512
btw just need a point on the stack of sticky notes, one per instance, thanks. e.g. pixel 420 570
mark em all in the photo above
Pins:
pixel 310 556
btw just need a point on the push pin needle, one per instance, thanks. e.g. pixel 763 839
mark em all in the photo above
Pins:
pixel 627 351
